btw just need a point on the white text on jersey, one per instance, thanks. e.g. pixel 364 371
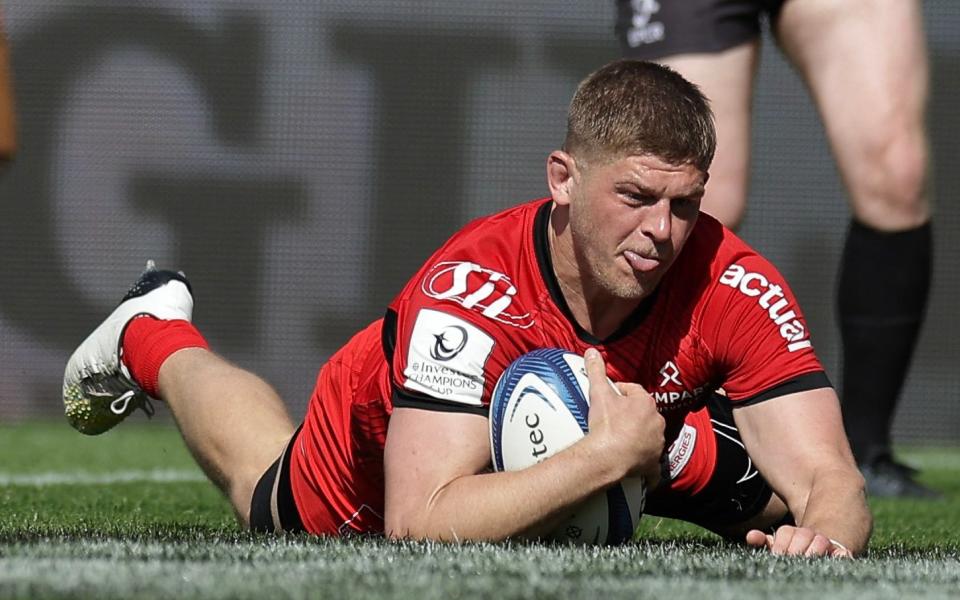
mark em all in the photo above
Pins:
pixel 770 297
pixel 489 292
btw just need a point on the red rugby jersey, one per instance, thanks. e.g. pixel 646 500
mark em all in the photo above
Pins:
pixel 722 316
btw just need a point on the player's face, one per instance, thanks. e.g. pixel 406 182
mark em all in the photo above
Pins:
pixel 631 217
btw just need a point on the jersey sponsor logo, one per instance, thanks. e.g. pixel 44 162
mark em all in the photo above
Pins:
pixel 681 450
pixel 674 399
pixel 670 373
pixel 770 297
pixel 446 358
pixel 643 30
pixel 448 343
pixel 486 291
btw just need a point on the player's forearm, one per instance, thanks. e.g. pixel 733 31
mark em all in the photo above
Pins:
pixel 837 507
pixel 497 506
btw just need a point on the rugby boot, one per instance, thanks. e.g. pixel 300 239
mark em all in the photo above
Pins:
pixel 98 391
pixel 887 478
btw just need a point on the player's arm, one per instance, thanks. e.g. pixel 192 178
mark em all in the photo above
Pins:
pixel 438 484
pixel 798 443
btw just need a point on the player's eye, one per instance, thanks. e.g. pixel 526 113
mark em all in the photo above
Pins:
pixel 637 198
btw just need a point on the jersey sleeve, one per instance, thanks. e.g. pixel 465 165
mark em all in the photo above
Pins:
pixel 449 348
pixel 758 335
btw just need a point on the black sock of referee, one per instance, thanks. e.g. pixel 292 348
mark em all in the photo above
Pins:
pixel 882 296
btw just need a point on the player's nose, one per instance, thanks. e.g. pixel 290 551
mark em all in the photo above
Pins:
pixel 656 222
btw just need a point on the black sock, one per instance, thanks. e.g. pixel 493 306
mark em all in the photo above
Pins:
pixel 882 295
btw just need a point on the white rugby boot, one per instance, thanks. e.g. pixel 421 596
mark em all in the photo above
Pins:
pixel 98 391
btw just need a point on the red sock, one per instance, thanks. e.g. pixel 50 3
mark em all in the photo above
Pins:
pixel 148 342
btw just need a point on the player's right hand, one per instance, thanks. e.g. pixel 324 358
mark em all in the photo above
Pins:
pixel 626 423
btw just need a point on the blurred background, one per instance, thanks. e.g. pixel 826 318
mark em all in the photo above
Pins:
pixel 300 159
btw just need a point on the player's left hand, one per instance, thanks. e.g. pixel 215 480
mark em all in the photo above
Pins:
pixel 797 541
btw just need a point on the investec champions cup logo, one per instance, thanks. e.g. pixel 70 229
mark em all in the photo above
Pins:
pixel 448 343
pixel 488 292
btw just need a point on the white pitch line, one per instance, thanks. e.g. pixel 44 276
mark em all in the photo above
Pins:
pixel 81 478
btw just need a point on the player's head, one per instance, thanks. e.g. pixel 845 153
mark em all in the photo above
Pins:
pixel 629 181
pixel 634 107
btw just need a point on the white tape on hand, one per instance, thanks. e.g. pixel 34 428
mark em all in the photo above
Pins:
pixel 841 546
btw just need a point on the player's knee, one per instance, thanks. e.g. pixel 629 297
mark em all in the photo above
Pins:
pixel 890 191
pixel 905 164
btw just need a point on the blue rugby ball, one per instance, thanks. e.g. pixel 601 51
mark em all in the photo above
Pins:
pixel 539 407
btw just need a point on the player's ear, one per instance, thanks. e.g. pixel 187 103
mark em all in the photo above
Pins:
pixel 560 169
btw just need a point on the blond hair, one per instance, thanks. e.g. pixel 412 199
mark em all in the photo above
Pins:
pixel 633 107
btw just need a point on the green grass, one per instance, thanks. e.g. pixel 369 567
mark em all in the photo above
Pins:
pixel 86 537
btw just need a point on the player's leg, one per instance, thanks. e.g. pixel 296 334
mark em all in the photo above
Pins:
pixel 866 66
pixel 726 78
pixel 712 481
pixel 233 422
pixel 716 46
pixel 753 504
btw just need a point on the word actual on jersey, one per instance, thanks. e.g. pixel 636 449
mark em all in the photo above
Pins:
pixel 770 297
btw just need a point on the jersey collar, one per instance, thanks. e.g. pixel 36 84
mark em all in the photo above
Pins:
pixel 541 246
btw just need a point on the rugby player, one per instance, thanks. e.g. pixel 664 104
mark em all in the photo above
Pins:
pixel 865 65
pixel 617 264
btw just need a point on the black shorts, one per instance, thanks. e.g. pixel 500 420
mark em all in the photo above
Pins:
pixel 272 508
pixel 653 29
pixel 735 493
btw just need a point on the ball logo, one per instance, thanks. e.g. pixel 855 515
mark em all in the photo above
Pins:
pixel 448 343
pixel 532 421
pixel 489 292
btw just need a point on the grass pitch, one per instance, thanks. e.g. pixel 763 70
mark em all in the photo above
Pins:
pixel 127 514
